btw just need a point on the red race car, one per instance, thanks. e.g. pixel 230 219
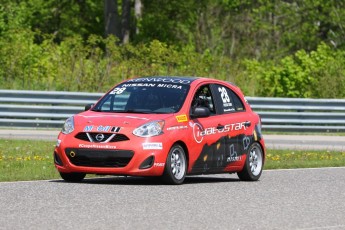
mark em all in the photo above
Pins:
pixel 163 126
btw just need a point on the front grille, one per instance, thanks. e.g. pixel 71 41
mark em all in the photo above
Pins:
pixel 99 158
pixel 92 137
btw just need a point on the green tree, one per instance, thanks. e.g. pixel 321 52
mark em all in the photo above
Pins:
pixel 315 74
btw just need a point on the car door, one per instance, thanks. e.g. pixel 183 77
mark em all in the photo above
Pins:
pixel 203 131
pixel 222 137
pixel 233 122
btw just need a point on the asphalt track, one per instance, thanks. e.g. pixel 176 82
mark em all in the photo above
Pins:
pixel 308 199
pixel 303 142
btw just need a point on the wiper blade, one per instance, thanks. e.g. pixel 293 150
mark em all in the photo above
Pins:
pixel 123 111
pixel 134 111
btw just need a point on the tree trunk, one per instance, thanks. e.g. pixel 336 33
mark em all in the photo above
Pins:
pixel 126 16
pixel 112 19
pixel 138 13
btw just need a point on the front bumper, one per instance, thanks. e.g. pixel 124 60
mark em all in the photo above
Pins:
pixel 123 158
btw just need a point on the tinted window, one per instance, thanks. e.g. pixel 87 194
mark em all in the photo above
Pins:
pixel 237 101
pixel 144 98
pixel 229 101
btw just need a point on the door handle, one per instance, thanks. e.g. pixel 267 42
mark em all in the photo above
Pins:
pixel 247 123
pixel 220 127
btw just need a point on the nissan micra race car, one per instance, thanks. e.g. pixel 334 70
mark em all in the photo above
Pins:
pixel 163 126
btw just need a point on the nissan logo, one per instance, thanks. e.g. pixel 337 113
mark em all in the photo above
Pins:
pixel 100 137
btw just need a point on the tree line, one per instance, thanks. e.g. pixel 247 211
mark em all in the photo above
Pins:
pixel 286 48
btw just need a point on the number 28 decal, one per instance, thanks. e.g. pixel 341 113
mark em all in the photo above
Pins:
pixel 117 90
pixel 224 95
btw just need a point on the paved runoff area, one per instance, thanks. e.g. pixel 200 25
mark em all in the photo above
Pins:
pixel 308 199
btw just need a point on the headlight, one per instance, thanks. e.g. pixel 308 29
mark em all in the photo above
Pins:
pixel 150 129
pixel 68 127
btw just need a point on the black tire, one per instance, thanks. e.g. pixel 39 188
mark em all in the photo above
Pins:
pixel 175 166
pixel 72 177
pixel 254 164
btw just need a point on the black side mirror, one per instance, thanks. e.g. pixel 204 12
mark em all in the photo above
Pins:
pixel 88 107
pixel 200 112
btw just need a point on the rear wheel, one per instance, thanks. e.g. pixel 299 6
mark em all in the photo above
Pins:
pixel 252 168
pixel 175 166
pixel 72 177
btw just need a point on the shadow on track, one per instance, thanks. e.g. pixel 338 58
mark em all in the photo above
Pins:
pixel 123 180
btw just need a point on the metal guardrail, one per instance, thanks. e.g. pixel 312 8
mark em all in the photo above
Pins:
pixel 300 114
pixel 48 109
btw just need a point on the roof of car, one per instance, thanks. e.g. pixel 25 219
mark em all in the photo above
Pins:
pixel 165 79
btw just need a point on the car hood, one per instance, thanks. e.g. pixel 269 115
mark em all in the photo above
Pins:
pixel 90 118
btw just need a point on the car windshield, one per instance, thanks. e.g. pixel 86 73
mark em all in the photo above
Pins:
pixel 142 97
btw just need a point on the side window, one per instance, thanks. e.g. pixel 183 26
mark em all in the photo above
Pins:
pixel 229 101
pixel 203 97
pixel 237 101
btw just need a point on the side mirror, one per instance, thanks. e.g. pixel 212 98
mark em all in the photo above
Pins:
pixel 88 107
pixel 200 112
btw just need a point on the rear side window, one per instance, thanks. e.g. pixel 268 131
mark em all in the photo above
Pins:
pixel 229 102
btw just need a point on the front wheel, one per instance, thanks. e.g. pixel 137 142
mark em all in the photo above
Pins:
pixel 72 177
pixel 252 168
pixel 175 166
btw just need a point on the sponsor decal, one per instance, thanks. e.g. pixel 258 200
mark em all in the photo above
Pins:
pixel 88 128
pixel 246 142
pixel 95 146
pixel 199 132
pixel 182 118
pixel 139 85
pixel 101 128
pixel 169 86
pixel 233 154
pixel 58 142
pixel 158 85
pixel 152 145
pixel 158 79
pixel 177 127
pixel 221 155
pixel 232 159
pixel 115 129
pixel 158 164
pixel 197 129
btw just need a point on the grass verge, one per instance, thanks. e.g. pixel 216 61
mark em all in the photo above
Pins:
pixel 26 160
pixel 287 159
pixel 33 160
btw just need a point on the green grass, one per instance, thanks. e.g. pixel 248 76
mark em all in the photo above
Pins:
pixel 33 160
pixel 26 160
pixel 287 159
